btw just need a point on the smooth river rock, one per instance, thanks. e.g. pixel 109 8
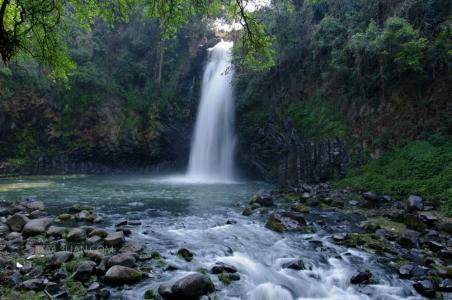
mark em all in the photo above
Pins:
pixel 192 286
pixel 118 275
pixel 36 226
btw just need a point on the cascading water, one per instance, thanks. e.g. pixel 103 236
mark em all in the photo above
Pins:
pixel 212 151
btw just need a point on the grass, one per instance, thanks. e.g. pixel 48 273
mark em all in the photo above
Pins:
pixel 417 168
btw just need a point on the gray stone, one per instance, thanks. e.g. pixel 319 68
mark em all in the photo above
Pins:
pixel 192 286
pixel 56 231
pixel 415 203
pixel 35 205
pixel 36 226
pixel 118 275
pixel 123 259
pixel 76 235
pixel 115 239
pixel 94 240
pixel 84 271
pixel 32 285
pixel 98 232
pixel 362 277
pixel 60 257
pixel 17 221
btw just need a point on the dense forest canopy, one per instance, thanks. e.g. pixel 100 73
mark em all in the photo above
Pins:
pixel 40 28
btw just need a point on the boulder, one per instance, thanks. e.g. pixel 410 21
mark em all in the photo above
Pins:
pixel 192 286
pixel 84 271
pixel 56 291
pixel 32 285
pixel 296 265
pixel 36 226
pixel 425 288
pixel 76 235
pixel 58 258
pixel 185 254
pixel 362 277
pixel 94 240
pixel 17 221
pixel 405 271
pixel 123 259
pixel 263 198
pixel 371 196
pixel 222 267
pixel 118 275
pixel 285 221
pixel 64 217
pixel 56 231
pixel 415 203
pixel 115 239
pixel 248 211
pixel 98 232
pixel 131 248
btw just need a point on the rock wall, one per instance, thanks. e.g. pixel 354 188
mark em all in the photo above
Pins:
pixel 287 158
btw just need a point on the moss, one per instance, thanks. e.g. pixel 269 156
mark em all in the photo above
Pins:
pixel 149 294
pixel 155 255
pixel 203 271
pixel 274 224
pixel 74 288
pixel 389 225
pixel 301 208
pixel 417 168
pixel 224 279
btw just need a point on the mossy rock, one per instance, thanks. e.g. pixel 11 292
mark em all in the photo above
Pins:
pixel 149 294
pixel 274 224
pixel 301 208
pixel 224 279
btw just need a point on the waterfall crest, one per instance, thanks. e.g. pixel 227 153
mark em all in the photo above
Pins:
pixel 213 144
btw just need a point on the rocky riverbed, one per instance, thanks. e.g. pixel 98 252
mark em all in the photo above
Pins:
pixel 83 252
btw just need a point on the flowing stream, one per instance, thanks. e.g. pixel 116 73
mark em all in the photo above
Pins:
pixel 195 216
pixel 212 152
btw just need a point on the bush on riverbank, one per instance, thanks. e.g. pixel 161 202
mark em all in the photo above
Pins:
pixel 417 168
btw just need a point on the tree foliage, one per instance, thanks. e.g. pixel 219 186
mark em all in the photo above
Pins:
pixel 40 28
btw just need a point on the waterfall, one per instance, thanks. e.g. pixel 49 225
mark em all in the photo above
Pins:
pixel 212 149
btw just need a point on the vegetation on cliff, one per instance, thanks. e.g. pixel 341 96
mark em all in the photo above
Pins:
pixel 416 168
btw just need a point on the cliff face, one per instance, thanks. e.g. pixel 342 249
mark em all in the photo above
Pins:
pixel 52 129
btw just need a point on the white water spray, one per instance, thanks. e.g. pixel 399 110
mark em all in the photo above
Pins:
pixel 212 151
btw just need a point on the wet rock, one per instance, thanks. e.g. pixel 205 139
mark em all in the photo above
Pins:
pixel 76 235
pixel 36 226
pixel 415 203
pixel 118 275
pixel 248 211
pixel 165 292
pixel 121 223
pixel 115 239
pixel 76 208
pixel 56 231
pixel 94 255
pixel 371 196
pixel 415 222
pixel 56 291
pixel 123 259
pixel 131 248
pixel 185 254
pixel 362 277
pixel 435 245
pixel 32 285
pixel 192 286
pixel 149 294
pixel 405 271
pixel 444 225
pixel 301 208
pixel 60 257
pixel 82 215
pixel 445 285
pixel 134 223
pixel 263 198
pixel 339 237
pixel 84 271
pixel 94 240
pixel 93 287
pixel 35 205
pixel 221 267
pixel 126 231
pixel 64 217
pixel 103 294
pixel 281 222
pixel 231 222
pixel 425 288
pixel 233 277
pixel 408 239
pixel 37 214
pixel 296 265
pixel 4 229
pixel 17 221
pixel 13 235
